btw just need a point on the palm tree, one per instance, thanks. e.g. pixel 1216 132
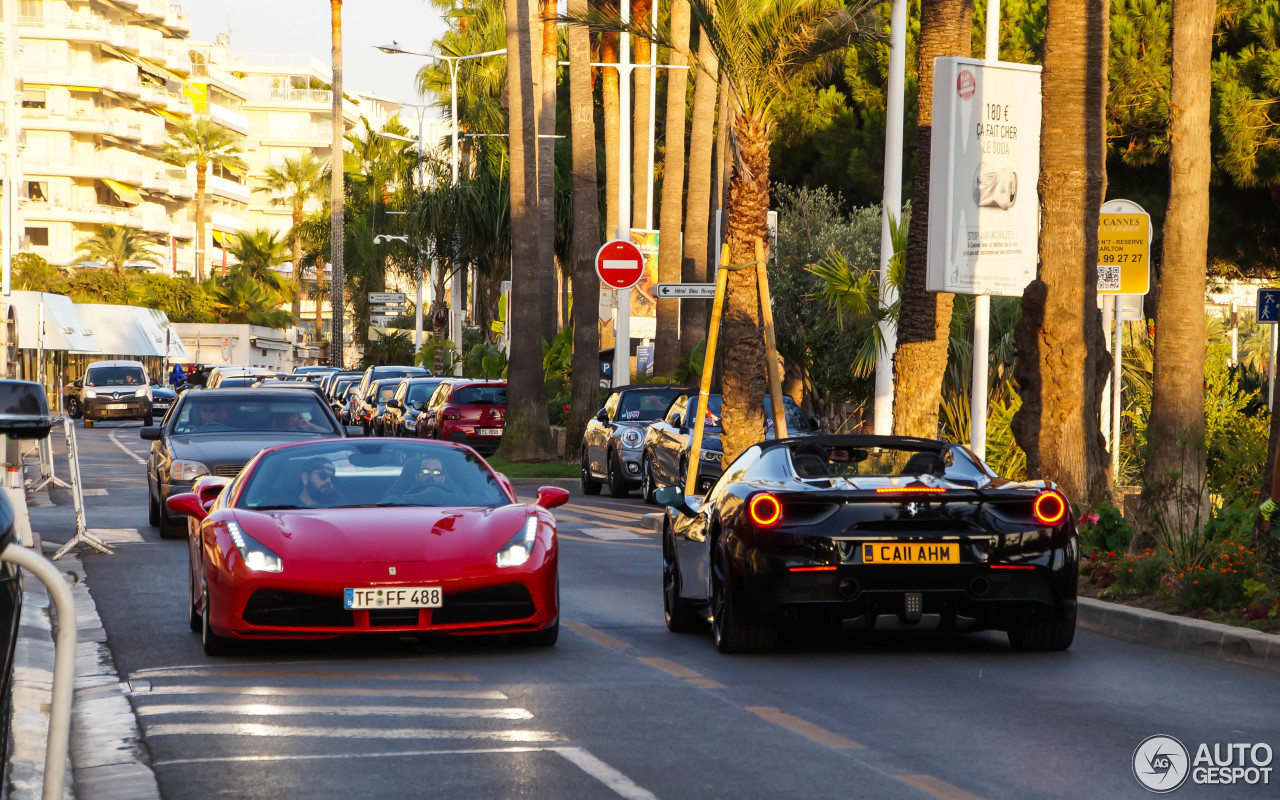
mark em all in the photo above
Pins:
pixel 239 299
pixel 609 102
pixel 547 73
pixel 642 112
pixel 204 143
pixel 1174 495
pixel 337 231
pixel 666 351
pixel 586 231
pixel 697 224
pixel 257 254
pixel 115 246
pixel 1062 361
pixel 760 46
pixel 294 184
pixel 920 360
pixel 528 431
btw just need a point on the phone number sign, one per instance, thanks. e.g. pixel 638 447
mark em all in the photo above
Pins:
pixel 1124 250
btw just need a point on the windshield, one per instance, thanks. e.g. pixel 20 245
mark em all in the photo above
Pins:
pixel 797 422
pixel 643 406
pixel 371 473
pixel 421 392
pixel 114 376
pixel 813 460
pixel 300 413
pixel 385 391
pixel 480 396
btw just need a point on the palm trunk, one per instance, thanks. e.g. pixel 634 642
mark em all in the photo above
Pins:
pixel 336 230
pixel 924 322
pixel 1174 497
pixel 640 176
pixel 296 305
pixel 584 381
pixel 666 351
pixel 527 435
pixel 742 342
pixel 202 170
pixel 609 97
pixel 1061 351
pixel 548 68
pixel 693 313
pixel 319 295
pixel 439 316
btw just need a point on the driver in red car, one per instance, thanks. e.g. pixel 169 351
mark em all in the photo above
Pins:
pixel 318 490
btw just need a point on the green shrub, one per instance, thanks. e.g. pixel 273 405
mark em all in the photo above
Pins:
pixel 1138 575
pixel 1104 530
pixel 1230 577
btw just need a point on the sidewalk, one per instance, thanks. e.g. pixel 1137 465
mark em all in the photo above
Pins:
pixel 106 760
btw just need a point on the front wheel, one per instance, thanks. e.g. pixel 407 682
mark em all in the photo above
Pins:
pixel 617 487
pixel 735 630
pixel 678 612
pixel 1055 633
pixel 649 482
pixel 148 421
pixel 543 638
pixel 214 645
pixel 194 619
pixel 589 484
pixel 73 408
pixel 153 508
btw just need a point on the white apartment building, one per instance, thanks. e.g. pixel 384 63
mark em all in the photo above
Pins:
pixel 101 82
pixel 10 172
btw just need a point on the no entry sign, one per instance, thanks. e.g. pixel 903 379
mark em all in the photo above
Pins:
pixel 619 264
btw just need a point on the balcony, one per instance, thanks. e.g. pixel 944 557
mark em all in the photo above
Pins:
pixel 123 38
pixel 177 20
pixel 228 189
pixel 157 224
pixel 232 119
pixel 73 27
pixel 153 95
pixel 177 57
pixel 304 135
pixel 179 103
pixel 183 230
pixel 87 214
pixel 289 94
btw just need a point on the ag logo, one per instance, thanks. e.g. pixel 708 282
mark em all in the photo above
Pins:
pixel 1160 763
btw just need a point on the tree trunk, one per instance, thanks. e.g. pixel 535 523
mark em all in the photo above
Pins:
pixel 666 351
pixel 319 295
pixel 439 316
pixel 337 232
pixel 585 379
pixel 527 436
pixel 924 322
pixel 202 170
pixel 1062 360
pixel 742 345
pixel 609 93
pixel 640 173
pixel 1175 494
pixel 296 236
pixel 545 72
pixel 693 313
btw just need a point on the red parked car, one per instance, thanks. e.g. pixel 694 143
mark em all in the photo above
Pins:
pixel 470 412
pixel 369 536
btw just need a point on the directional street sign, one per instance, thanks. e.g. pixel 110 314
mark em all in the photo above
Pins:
pixel 390 298
pixel 619 264
pixel 380 321
pixel 386 309
pixel 1268 306
pixel 685 291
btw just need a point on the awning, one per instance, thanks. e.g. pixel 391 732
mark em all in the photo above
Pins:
pixel 264 343
pixel 169 115
pixel 127 194
pixel 64 328
pixel 221 238
pixel 84 89
pixel 120 331
pixel 177 350
pixel 154 69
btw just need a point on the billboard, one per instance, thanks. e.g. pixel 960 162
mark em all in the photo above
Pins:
pixel 985 162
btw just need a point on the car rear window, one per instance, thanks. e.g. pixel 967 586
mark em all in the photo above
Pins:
pixel 480 396
pixel 644 406
pixel 115 376
pixel 299 413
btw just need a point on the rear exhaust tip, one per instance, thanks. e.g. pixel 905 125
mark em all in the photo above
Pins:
pixel 979 586
pixel 848 587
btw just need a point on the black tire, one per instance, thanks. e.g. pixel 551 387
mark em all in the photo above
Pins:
pixel 153 508
pixel 194 619
pixel 88 423
pixel 616 486
pixel 679 613
pixel 214 645
pixel 589 484
pixel 735 631
pixel 1056 633
pixel 170 529
pixel 544 638
pixel 148 420
pixel 73 408
pixel 649 482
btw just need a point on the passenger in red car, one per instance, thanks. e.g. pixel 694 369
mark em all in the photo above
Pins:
pixel 318 490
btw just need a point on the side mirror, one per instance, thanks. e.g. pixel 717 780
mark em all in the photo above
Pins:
pixel 678 421
pixel 209 488
pixel 78 383
pixel 506 483
pixel 151 433
pixel 674 497
pixel 813 422
pixel 187 504
pixel 354 430
pixel 24 411
pixel 602 416
pixel 552 496
pixel 394 403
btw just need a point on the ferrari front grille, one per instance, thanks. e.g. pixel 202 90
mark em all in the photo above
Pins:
pixel 276 609
pixel 509 602
pixel 392 617
pixel 227 470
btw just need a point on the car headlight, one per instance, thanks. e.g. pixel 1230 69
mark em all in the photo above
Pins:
pixel 712 455
pixel 255 554
pixel 631 438
pixel 143 392
pixel 519 547
pixel 89 394
pixel 181 470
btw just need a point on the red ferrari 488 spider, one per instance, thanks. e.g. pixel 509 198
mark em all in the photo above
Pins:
pixel 346 536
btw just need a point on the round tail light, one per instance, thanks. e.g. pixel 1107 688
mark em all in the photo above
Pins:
pixel 1050 508
pixel 765 510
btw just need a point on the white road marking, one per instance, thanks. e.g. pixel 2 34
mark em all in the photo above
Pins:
pixel 118 535
pixel 269 691
pixel 610 534
pixel 93 492
pixel 127 451
pixel 313 732
pixel 269 710
pixel 618 783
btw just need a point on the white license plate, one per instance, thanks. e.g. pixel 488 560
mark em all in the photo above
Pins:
pixel 491 431
pixel 117 406
pixel 393 597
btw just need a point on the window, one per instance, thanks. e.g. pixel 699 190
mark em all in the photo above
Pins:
pixel 38 192
pixel 33 98
pixel 37 237
pixel 31 10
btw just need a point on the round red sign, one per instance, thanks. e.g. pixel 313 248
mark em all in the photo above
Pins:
pixel 965 84
pixel 619 264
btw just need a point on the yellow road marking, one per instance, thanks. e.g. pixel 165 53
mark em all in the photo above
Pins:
pixel 806 729
pixel 706 683
pixel 274 673
pixel 599 637
pixel 938 788
pixel 683 673
pixel 606 541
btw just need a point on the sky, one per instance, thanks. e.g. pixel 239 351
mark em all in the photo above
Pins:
pixel 301 27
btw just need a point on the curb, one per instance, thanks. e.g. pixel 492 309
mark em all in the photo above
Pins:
pixel 1195 636
pixel 652 522
pixel 105 760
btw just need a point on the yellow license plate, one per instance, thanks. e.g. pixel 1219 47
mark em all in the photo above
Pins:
pixel 910 553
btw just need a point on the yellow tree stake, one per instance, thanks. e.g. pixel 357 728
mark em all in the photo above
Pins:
pixel 708 366
pixel 772 368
